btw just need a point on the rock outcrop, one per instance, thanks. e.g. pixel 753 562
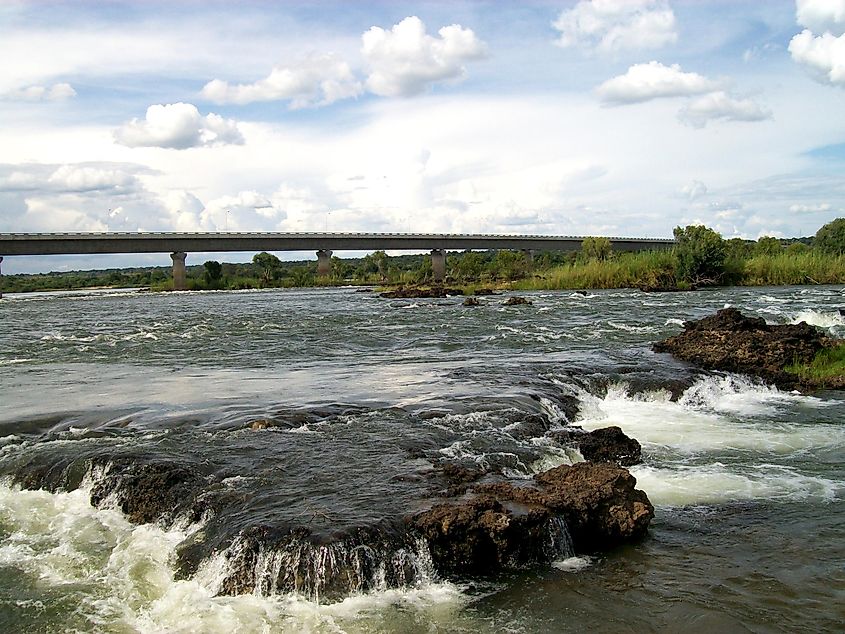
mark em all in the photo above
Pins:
pixel 421 293
pixel 732 342
pixel 608 444
pixel 507 524
pixel 516 301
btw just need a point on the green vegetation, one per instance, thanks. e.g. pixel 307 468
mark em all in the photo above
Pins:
pixel 701 257
pixel 826 369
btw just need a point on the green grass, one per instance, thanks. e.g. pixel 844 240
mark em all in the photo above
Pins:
pixel 811 267
pixel 826 368
pixel 624 270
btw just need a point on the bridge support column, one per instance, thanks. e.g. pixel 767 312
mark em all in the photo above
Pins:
pixel 438 264
pixel 180 282
pixel 324 263
pixel 529 259
pixel 1 279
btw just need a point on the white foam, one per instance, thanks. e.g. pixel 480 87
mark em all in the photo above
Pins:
pixel 717 443
pixel 122 576
pixel 823 319
pixel 573 564
pixel 680 485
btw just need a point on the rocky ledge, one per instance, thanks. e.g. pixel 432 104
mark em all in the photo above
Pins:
pixel 506 524
pixel 421 293
pixel 733 342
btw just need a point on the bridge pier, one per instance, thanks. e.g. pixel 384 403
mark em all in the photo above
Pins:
pixel 438 264
pixel 180 282
pixel 529 259
pixel 1 278
pixel 324 263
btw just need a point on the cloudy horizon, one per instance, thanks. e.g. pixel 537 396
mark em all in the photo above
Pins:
pixel 589 117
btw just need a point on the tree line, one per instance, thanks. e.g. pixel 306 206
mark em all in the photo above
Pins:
pixel 700 257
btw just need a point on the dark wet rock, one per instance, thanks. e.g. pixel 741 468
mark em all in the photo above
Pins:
pixel 516 301
pixel 481 535
pixel 261 423
pixel 471 301
pixel 364 290
pixel 505 524
pixel 599 502
pixel 732 342
pixel 267 560
pixel 608 444
pixel 147 492
pixel 421 293
pixel 484 291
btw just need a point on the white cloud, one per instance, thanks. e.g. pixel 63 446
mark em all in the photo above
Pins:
pixel 721 106
pixel 248 210
pixel 316 81
pixel 69 178
pixel 809 209
pixel 56 92
pixel 406 60
pixel 643 82
pixel 614 25
pixel 821 15
pixel 694 190
pixel 824 54
pixel 178 126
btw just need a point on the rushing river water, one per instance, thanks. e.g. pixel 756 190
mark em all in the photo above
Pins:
pixel 361 396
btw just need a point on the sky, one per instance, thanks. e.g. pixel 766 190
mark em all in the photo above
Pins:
pixel 567 117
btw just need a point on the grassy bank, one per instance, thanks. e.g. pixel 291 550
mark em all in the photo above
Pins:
pixel 826 370
pixel 657 269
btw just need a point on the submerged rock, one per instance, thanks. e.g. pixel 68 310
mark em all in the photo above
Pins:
pixel 608 444
pixel 732 342
pixel 472 301
pixel 421 293
pixel 516 301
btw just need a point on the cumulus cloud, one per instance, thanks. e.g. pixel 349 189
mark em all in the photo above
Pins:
pixel 809 209
pixel 56 92
pixel 405 60
pixel 248 210
pixel 609 26
pixel 694 190
pixel 721 106
pixel 643 82
pixel 178 126
pixel 821 15
pixel 823 54
pixel 315 81
pixel 70 178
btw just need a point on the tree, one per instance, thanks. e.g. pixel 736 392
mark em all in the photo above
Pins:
pixel 213 272
pixel 701 254
pixel 469 266
pixel 596 248
pixel 831 237
pixel 767 245
pixel 509 265
pixel 269 264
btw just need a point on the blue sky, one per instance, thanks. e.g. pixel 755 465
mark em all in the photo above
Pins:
pixel 612 117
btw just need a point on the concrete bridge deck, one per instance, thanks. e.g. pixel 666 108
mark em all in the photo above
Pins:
pixel 180 244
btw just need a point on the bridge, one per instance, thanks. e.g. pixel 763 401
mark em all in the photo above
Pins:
pixel 180 244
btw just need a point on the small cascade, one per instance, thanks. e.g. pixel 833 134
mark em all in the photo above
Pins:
pixel 324 572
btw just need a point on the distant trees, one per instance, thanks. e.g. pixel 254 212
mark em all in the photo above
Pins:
pixel 596 248
pixel 269 266
pixel 831 237
pixel 701 254
pixel 767 245
pixel 213 272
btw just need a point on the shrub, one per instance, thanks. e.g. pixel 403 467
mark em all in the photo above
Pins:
pixel 701 254
pixel 596 248
pixel 831 237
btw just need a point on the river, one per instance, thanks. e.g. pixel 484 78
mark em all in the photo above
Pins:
pixel 360 396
